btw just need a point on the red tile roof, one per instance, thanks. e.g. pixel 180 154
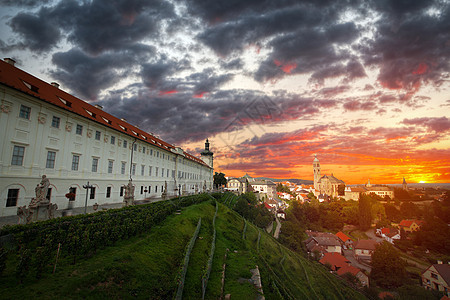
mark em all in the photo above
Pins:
pixel 348 269
pixel 385 230
pixel 342 236
pixel 17 79
pixel 366 244
pixel 334 259
pixel 408 223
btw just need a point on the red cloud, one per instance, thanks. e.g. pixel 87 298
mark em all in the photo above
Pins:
pixel 161 93
pixel 200 95
pixel 285 67
pixel 422 68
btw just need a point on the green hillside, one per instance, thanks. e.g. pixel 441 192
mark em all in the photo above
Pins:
pixel 150 265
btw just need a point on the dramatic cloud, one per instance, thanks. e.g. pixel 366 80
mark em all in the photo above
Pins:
pixel 437 124
pixel 362 83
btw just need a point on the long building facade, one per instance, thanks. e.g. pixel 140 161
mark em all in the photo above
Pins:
pixel 46 131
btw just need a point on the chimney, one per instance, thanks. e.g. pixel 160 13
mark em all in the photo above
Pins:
pixel 98 106
pixel 9 61
pixel 439 262
pixel 55 84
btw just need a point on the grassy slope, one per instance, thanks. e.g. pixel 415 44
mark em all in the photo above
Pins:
pixel 146 266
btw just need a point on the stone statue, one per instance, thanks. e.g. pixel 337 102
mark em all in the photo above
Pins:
pixel 128 197
pixel 39 204
pixel 164 193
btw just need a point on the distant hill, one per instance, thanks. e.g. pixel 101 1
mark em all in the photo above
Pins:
pixel 293 180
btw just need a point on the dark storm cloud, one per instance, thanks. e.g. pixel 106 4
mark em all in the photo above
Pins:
pixel 87 75
pixel 312 50
pixel 411 50
pixel 24 3
pixel 206 81
pixel 179 117
pixel 38 35
pixel 94 26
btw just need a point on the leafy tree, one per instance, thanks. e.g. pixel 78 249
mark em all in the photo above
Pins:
pixel 292 234
pixel 388 269
pixel 350 213
pixel 392 213
pixel 365 211
pixel 401 194
pixel 219 179
pixel 409 210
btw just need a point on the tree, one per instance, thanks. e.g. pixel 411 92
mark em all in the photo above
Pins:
pixel 388 269
pixel 219 179
pixel 365 211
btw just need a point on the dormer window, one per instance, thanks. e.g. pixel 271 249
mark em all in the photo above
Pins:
pixel 31 87
pixel 106 120
pixel 90 113
pixel 65 102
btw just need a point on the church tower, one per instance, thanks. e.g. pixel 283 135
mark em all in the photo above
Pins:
pixel 207 156
pixel 405 185
pixel 316 168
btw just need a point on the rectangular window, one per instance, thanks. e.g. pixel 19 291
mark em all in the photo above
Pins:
pixel 13 195
pixel 51 156
pixel 163 156
pixel 125 144
pixel 49 194
pixel 156 171
pixel 108 192
pixel 173 173
pixel 122 169
pixel 143 150
pixel 75 162
pixel 25 112
pixel 18 153
pixel 113 140
pixel 162 172
pixel 73 191
pixel 55 122
pixel 79 129
pixel 92 193
pixel 133 169
pixel 150 171
pixel 151 151
pixel 122 188
pixel 98 135
pixel 142 170
pixel 434 276
pixel 135 147
pixel 142 189
pixel 94 164
pixel 149 188
pixel 167 175
pixel 156 189
pixel 110 166
pixel 157 154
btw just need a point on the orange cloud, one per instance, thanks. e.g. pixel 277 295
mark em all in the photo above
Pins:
pixel 287 68
pixel 200 95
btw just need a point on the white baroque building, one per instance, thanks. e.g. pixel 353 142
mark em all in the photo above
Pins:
pixel 46 131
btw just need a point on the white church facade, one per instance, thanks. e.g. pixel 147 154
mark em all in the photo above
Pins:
pixel 46 131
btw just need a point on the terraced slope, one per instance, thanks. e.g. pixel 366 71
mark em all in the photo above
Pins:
pixel 147 266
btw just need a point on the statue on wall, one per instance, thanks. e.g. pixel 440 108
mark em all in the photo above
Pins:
pixel 128 196
pixel 164 193
pixel 38 204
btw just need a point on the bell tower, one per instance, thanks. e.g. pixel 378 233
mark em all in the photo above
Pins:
pixel 207 156
pixel 316 168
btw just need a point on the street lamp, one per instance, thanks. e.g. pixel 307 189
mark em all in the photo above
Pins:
pixel 87 187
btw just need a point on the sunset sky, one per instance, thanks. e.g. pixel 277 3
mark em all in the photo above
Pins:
pixel 365 85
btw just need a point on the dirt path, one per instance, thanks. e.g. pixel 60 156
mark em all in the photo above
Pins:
pixel 277 230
